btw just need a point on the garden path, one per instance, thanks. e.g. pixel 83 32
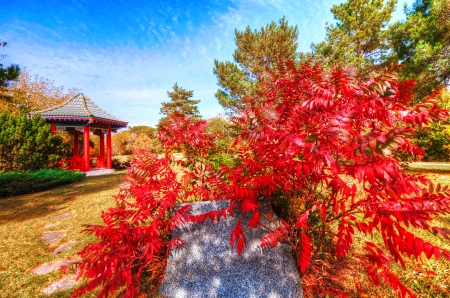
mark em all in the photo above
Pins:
pixel 52 238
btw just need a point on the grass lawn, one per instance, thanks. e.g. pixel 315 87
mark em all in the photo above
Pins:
pixel 437 167
pixel 22 221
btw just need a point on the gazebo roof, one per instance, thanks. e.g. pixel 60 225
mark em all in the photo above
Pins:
pixel 80 108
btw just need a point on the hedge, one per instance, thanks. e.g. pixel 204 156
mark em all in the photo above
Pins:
pixel 15 183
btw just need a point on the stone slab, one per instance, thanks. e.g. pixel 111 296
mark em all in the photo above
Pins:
pixel 64 283
pixel 63 247
pixel 64 216
pixel 99 172
pixel 209 267
pixel 51 237
pixel 71 192
pixel 51 225
pixel 56 208
pixel 50 267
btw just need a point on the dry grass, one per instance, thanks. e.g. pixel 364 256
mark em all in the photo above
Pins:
pixel 429 167
pixel 22 221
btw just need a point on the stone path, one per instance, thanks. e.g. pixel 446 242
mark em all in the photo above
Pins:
pixel 52 235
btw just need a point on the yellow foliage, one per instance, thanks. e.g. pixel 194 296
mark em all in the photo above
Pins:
pixel 34 93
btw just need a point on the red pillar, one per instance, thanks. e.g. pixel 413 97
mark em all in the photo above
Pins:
pixel 102 150
pixel 109 149
pixel 87 149
pixel 76 151
pixel 53 127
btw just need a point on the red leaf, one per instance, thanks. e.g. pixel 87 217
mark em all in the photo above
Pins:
pixel 302 220
pixel 428 248
pixel 418 245
pixel 305 253
pixel 248 205
pixel 444 232
pixel 306 169
pixel 254 221
pixel 238 235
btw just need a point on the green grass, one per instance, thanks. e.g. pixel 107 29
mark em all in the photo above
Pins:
pixel 22 221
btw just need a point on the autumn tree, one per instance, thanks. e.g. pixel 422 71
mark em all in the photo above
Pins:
pixel 422 44
pixel 223 128
pixel 144 137
pixel 147 130
pixel 126 142
pixel 359 37
pixel 121 143
pixel 180 103
pixel 33 93
pixel 257 52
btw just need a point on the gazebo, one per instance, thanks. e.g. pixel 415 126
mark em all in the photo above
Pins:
pixel 80 115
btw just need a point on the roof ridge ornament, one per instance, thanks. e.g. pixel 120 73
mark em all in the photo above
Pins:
pixel 84 105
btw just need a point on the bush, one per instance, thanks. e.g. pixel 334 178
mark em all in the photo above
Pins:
pixel 321 147
pixel 434 141
pixel 27 144
pixel 121 162
pixel 15 183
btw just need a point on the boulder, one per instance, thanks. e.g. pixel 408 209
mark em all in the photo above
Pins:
pixel 208 266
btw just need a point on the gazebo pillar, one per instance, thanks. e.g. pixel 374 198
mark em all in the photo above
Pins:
pixel 102 150
pixel 53 127
pixel 87 149
pixel 109 149
pixel 76 151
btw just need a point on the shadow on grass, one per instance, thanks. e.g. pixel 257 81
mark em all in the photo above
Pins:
pixel 23 207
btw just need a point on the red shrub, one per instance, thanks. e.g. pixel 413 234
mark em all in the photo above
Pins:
pixel 320 147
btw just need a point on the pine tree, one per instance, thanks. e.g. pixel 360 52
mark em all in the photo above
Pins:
pixel 7 74
pixel 422 44
pixel 180 103
pixel 257 52
pixel 359 37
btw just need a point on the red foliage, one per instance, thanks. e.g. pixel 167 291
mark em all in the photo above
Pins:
pixel 325 144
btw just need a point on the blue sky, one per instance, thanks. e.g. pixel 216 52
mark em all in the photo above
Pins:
pixel 126 55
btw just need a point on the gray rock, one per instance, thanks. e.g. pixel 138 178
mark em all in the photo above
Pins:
pixel 209 267
pixel 63 247
pixel 50 267
pixel 63 284
pixel 51 237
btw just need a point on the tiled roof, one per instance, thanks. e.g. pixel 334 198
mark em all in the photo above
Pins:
pixel 79 106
